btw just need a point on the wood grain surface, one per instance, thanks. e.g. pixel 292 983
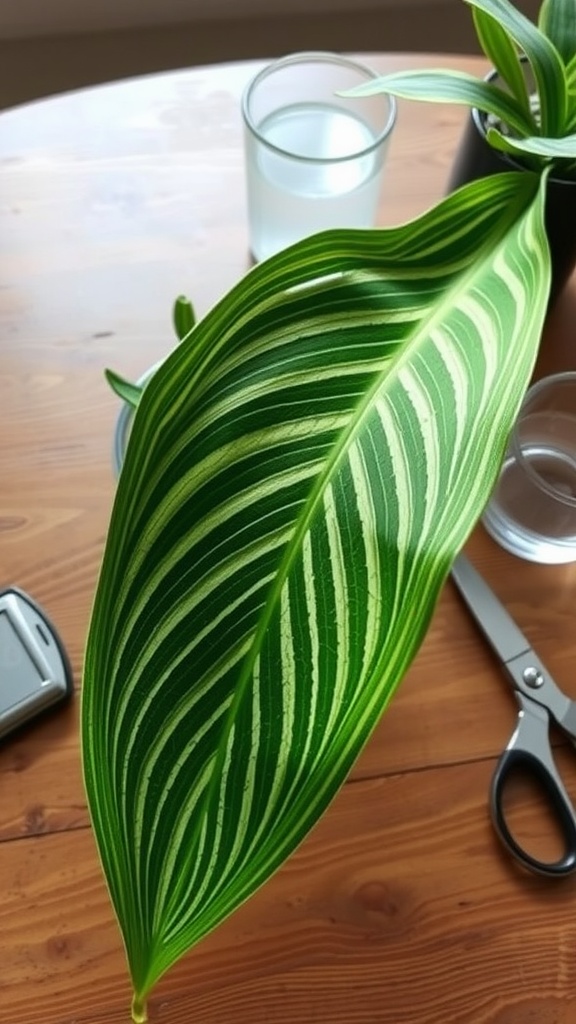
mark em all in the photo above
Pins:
pixel 401 907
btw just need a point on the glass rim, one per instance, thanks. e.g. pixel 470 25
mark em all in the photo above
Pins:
pixel 318 57
pixel 566 377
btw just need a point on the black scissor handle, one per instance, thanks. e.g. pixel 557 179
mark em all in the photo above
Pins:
pixel 543 769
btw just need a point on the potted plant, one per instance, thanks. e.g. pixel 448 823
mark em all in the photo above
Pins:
pixel 183 320
pixel 300 473
pixel 523 114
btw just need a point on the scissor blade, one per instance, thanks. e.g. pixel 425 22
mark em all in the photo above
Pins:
pixel 498 626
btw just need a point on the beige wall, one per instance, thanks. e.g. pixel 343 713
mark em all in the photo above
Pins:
pixel 32 67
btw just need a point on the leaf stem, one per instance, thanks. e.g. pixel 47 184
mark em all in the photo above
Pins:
pixel 139 1009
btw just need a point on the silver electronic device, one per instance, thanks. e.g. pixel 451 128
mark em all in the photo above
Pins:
pixel 35 672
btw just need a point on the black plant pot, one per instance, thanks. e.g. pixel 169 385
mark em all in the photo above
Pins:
pixel 477 159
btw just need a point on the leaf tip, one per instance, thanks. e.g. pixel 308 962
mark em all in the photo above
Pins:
pixel 183 316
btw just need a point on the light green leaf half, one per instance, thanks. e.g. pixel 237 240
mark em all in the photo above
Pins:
pixel 436 86
pixel 544 60
pixel 557 20
pixel 301 472
pixel 503 55
pixel 555 149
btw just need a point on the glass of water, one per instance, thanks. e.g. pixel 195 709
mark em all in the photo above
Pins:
pixel 314 159
pixel 532 512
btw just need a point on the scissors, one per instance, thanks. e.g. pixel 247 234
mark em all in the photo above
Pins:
pixel 541 702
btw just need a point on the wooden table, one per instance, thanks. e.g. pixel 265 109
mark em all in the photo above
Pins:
pixel 401 908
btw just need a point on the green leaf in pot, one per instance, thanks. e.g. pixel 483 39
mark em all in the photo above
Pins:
pixel 183 318
pixel 548 50
pixel 125 389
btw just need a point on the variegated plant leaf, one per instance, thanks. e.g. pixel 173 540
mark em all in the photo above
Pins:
pixel 438 86
pixel 502 53
pixel 554 149
pixel 300 474
pixel 557 20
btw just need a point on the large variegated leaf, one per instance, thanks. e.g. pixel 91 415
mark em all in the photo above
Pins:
pixel 300 474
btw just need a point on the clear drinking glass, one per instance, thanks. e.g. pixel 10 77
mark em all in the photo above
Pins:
pixel 532 512
pixel 314 159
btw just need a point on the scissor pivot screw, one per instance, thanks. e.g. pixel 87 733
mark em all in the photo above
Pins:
pixel 533 677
